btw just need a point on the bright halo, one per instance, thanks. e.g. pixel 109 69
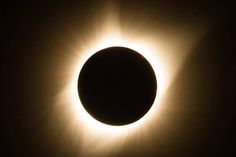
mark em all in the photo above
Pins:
pixel 91 129
pixel 92 123
pixel 93 136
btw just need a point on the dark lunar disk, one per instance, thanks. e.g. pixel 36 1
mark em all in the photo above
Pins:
pixel 117 86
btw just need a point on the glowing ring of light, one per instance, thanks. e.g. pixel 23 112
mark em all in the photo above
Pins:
pixel 88 121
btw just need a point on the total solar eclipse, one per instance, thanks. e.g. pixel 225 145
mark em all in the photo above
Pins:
pixel 117 86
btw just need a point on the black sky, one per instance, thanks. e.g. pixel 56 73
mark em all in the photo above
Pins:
pixel 202 122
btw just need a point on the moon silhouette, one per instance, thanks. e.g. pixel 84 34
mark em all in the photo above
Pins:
pixel 117 86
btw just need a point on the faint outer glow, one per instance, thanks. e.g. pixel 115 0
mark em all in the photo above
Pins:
pixel 165 60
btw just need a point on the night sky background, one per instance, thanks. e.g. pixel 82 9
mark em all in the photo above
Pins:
pixel 202 123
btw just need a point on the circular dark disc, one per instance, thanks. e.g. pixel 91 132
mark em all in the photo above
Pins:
pixel 117 86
